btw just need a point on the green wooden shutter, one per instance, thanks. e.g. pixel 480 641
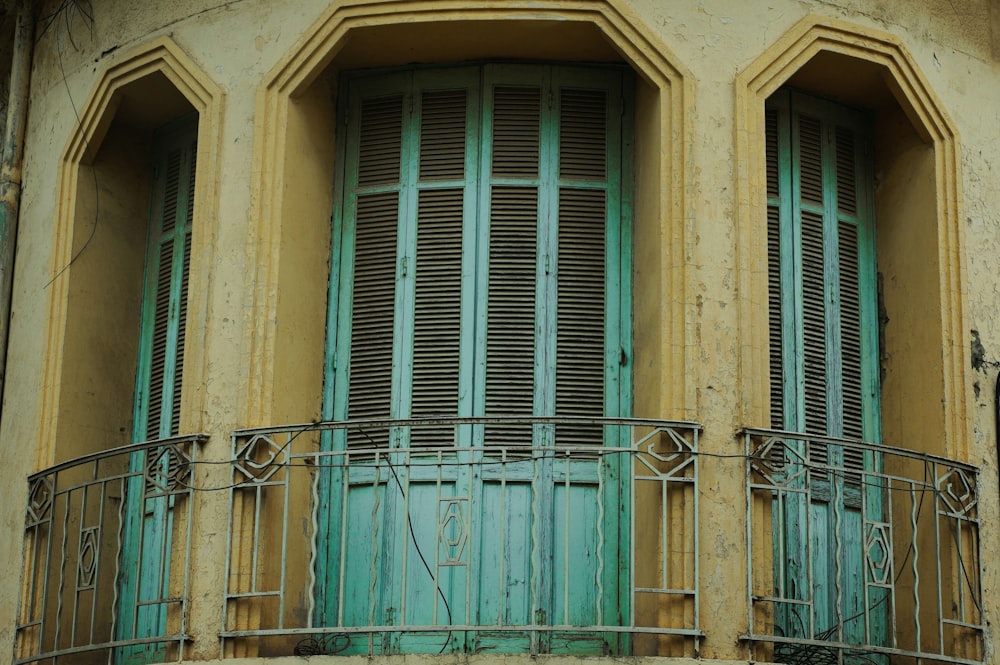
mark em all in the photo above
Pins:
pixel 146 533
pixel 158 384
pixel 582 278
pixel 376 213
pixel 513 258
pixel 480 268
pixel 823 348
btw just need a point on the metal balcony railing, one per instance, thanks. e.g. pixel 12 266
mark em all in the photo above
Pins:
pixel 106 548
pixel 875 553
pixel 537 535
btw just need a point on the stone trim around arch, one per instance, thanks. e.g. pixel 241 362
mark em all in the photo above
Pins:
pixel 292 77
pixel 924 110
pixel 164 57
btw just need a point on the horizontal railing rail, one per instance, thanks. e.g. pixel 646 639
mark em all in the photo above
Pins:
pixel 463 534
pixel 875 552
pixel 106 549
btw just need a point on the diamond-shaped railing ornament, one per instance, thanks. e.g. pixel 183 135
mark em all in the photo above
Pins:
pixel 957 492
pixel 656 447
pixel 257 460
pixel 878 553
pixel 39 500
pixel 452 533
pixel 167 468
pixel 775 461
pixel 86 566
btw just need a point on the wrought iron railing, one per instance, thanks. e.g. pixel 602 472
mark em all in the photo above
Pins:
pixel 106 548
pixel 572 535
pixel 875 552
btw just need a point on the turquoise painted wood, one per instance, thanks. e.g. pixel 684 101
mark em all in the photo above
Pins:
pixel 145 557
pixel 824 339
pixel 472 225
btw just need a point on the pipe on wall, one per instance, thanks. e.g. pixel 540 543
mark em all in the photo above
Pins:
pixel 10 167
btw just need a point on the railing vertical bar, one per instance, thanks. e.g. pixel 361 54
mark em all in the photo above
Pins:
pixel 960 559
pixel 599 613
pixel 503 537
pixel 62 571
pixel 567 455
pixel 77 591
pixel 402 539
pixel 893 639
pixel 164 578
pixel 119 538
pixel 470 474
pixel 804 519
pixel 186 575
pixel 914 564
pixel 376 500
pixel 631 526
pixel 664 531
pixel 748 524
pixel 940 511
pixel 345 500
pixel 837 484
pixel 782 572
pixel 98 561
pixel 232 492
pixel 439 533
pixel 313 540
pixel 696 541
pixel 287 499
pixel 255 547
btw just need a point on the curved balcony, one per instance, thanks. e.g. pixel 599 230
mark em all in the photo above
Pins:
pixel 876 552
pixel 106 547
pixel 530 535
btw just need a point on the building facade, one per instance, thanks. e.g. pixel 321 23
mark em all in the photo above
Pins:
pixel 601 328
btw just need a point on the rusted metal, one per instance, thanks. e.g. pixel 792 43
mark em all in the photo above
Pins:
pixel 10 167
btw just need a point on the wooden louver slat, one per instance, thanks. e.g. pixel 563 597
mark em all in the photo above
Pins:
pixel 850 331
pixel 774 292
pixel 381 132
pixel 774 298
pixel 810 161
pixel 583 134
pixel 159 382
pixel 159 353
pixel 516 134
pixel 846 187
pixel 372 321
pixel 510 329
pixel 580 338
pixel 182 297
pixel 443 135
pixel 171 189
pixel 814 333
pixel 438 299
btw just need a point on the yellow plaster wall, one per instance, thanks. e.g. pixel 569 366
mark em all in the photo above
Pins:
pixel 261 345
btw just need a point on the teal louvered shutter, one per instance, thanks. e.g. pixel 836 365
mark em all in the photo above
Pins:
pixel 477 240
pixel 144 578
pixel 823 351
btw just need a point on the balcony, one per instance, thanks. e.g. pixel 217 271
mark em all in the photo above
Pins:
pixel 107 541
pixel 347 540
pixel 498 535
pixel 876 552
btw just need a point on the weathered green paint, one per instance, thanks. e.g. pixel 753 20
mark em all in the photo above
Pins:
pixel 512 582
pixel 148 520
pixel 821 541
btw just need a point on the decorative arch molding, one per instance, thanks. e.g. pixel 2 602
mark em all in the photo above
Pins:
pixel 287 90
pixel 160 57
pixel 902 78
